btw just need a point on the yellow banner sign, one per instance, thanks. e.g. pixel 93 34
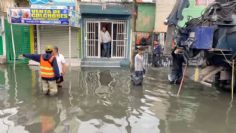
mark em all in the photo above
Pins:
pixel 49 14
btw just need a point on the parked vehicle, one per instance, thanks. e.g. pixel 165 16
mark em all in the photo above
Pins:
pixel 213 37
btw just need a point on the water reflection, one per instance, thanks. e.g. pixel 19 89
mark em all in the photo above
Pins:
pixel 104 101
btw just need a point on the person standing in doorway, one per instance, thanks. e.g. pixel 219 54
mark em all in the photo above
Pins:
pixel 106 42
pixel 61 65
pixel 49 71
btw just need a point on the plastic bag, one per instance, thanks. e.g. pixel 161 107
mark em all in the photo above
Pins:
pixel 136 80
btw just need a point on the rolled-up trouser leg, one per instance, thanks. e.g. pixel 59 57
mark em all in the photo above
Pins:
pixel 45 86
pixel 53 87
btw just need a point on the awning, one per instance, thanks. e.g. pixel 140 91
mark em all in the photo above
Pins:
pixel 107 10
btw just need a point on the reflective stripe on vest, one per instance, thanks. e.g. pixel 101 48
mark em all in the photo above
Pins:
pixel 46 69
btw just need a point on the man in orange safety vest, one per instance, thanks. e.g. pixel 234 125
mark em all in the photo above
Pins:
pixel 49 71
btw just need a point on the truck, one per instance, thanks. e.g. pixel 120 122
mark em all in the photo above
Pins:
pixel 210 38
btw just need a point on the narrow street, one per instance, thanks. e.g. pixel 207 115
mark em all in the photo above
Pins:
pixel 117 66
pixel 104 101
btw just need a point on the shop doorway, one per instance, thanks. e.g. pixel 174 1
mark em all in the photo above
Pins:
pixel 118 32
pixel 105 50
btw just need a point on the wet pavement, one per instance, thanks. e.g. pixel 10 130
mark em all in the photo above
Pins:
pixel 104 101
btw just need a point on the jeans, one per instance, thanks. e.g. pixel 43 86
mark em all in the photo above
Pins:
pixel 156 60
pixel 176 76
pixel 139 74
pixel 106 49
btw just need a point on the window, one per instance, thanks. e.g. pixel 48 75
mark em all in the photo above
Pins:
pixel 204 2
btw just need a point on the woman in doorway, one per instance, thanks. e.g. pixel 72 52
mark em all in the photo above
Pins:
pixel 106 42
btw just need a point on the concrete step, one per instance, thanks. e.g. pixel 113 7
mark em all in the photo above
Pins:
pixel 75 62
pixel 103 62
pixel 99 64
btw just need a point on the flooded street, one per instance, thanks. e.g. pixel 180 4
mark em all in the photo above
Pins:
pixel 97 100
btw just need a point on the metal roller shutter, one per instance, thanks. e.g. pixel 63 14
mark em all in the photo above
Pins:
pixel 59 36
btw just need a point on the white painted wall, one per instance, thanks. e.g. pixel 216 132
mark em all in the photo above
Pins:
pixel 163 9
pixel 6 4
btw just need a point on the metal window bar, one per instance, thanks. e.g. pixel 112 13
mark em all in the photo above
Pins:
pixel 120 40
pixel 91 40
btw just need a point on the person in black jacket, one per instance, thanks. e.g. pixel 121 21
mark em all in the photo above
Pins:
pixel 177 66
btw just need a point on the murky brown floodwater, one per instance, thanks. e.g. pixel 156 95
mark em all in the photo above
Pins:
pixel 104 101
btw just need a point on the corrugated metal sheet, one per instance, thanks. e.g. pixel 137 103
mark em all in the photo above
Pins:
pixel 163 9
pixel 59 36
pixel 21 39
pixel 146 18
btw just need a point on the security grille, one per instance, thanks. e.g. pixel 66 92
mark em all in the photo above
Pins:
pixel 119 39
pixel 118 34
pixel 92 39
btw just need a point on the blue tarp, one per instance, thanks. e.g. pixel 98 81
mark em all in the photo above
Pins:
pixel 203 37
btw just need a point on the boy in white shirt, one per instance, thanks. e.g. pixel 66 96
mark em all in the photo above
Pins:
pixel 61 65
pixel 139 70
pixel 139 66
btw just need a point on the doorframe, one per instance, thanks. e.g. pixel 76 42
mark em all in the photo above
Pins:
pixel 112 21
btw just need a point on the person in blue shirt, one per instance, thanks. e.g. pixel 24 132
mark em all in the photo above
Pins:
pixel 157 54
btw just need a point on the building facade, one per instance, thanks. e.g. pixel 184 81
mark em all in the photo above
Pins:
pixel 127 22
pixel 116 17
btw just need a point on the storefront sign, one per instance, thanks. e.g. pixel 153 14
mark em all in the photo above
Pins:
pixel 39 16
pixel 53 2
pixel 74 15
